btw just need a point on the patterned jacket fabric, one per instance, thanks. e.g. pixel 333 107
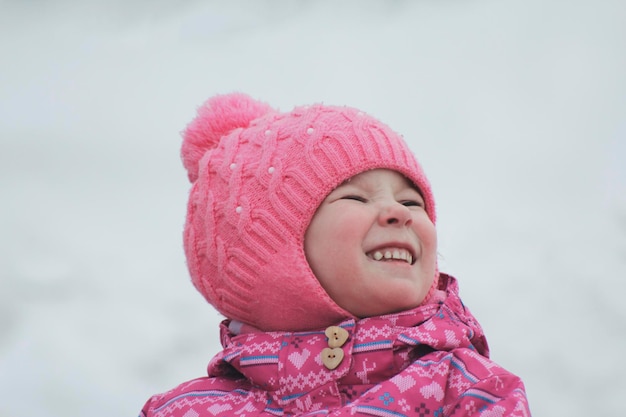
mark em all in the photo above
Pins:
pixel 429 361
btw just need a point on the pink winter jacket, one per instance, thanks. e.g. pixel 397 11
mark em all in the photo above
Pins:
pixel 429 361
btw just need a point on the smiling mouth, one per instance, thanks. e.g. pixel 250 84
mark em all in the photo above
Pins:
pixel 391 254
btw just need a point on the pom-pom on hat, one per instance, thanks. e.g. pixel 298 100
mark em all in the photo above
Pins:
pixel 258 176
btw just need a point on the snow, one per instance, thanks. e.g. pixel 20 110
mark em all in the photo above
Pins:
pixel 515 109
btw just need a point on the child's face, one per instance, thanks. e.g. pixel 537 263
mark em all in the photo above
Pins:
pixel 375 215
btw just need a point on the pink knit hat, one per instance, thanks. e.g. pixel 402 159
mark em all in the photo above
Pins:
pixel 258 177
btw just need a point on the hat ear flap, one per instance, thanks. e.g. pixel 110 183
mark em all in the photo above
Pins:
pixel 216 118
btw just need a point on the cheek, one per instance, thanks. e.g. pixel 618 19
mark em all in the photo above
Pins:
pixel 427 233
pixel 349 232
pixel 339 226
pixel 331 241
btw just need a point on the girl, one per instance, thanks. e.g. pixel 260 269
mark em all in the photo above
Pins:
pixel 313 233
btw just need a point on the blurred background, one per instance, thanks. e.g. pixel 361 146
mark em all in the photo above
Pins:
pixel 516 109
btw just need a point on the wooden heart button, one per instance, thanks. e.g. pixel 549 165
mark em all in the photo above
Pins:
pixel 337 336
pixel 331 358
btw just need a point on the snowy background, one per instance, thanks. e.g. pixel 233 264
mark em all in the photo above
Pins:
pixel 516 109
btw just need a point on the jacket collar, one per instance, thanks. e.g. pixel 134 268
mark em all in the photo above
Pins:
pixel 268 359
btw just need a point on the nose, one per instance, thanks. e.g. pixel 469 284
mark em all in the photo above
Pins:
pixel 395 214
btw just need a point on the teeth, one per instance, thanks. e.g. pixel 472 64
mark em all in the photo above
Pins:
pixel 400 254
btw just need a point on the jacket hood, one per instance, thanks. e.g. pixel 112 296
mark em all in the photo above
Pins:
pixel 276 360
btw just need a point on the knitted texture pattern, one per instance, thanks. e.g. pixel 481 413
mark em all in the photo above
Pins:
pixel 431 361
pixel 258 176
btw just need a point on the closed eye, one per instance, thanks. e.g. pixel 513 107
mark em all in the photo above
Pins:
pixel 354 197
pixel 412 203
